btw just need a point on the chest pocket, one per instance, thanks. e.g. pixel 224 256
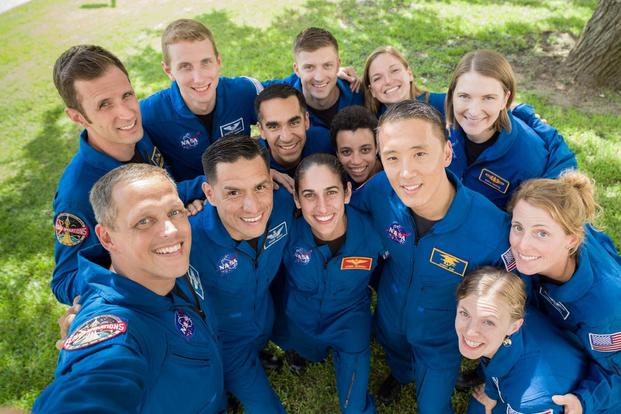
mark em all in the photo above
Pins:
pixel 230 275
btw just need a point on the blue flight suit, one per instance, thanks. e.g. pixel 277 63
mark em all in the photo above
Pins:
pixel 540 362
pixel 434 99
pixel 132 350
pixel 181 135
pixel 589 305
pixel 237 280
pixel 416 303
pixel 515 157
pixel 74 219
pixel 318 130
pixel 326 304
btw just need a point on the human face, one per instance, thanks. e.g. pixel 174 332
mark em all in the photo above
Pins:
pixel 477 102
pixel 283 125
pixel 110 113
pixel 414 160
pixel 317 71
pixel 389 79
pixel 539 244
pixel 196 68
pixel 243 196
pixel 150 241
pixel 482 323
pixel 356 151
pixel 322 199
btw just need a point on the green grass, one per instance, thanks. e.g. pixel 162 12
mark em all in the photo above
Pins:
pixel 254 37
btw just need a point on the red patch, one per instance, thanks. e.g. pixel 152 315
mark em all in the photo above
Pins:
pixel 95 330
pixel 356 263
pixel 70 229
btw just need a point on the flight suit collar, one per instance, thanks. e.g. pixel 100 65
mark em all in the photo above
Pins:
pixel 505 358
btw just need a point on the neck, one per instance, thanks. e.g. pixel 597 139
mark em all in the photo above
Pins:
pixel 338 231
pixel 202 108
pixel 441 201
pixel 321 104
pixel 120 152
pixel 482 137
pixel 158 286
pixel 564 271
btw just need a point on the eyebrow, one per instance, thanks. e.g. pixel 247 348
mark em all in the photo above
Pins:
pixel 415 147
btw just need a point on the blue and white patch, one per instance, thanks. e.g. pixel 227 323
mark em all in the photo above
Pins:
pixel 556 304
pixel 234 127
pixel 509 260
pixel 189 140
pixel 275 234
pixel 493 180
pixel 195 281
pixel 157 158
pixel 497 384
pixel 396 232
pixel 228 263
pixel 302 255
pixel 184 323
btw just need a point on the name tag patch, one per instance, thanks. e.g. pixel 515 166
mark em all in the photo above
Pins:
pixel 356 263
pixel 275 234
pixel 493 180
pixel 448 262
pixel 234 127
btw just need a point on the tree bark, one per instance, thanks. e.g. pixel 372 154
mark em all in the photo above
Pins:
pixel 596 57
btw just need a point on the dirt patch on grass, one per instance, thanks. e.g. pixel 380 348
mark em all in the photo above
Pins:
pixel 543 73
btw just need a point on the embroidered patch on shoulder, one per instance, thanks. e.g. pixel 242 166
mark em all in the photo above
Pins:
pixel 493 180
pixel 275 234
pixel 302 255
pixel 605 342
pixel 70 229
pixel 508 260
pixel 257 85
pixel 157 158
pixel 95 330
pixel 228 263
pixel 189 140
pixel 356 263
pixel 184 323
pixel 396 232
pixel 233 127
pixel 195 281
pixel 448 262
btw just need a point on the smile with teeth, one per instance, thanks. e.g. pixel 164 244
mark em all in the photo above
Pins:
pixel 324 219
pixel 201 89
pixel 169 250
pixel 411 187
pixel 528 258
pixel 287 147
pixel 472 344
pixel 320 85
pixel 391 90
pixel 358 170
pixel 128 127
pixel 252 220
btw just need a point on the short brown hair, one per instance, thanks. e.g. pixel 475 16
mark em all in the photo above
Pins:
pixel 369 100
pixel 81 62
pixel 185 29
pixel 497 284
pixel 569 200
pixel 313 38
pixel 486 63
pixel 100 196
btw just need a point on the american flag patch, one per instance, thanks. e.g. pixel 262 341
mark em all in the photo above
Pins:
pixel 605 342
pixel 508 260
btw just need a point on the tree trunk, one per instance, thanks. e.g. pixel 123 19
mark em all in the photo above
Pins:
pixel 596 57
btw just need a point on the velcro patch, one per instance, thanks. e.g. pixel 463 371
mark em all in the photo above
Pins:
pixel 494 180
pixel 70 229
pixel 509 260
pixel 233 127
pixel 95 330
pixel 356 263
pixel 157 158
pixel 274 234
pixel 448 262
pixel 605 342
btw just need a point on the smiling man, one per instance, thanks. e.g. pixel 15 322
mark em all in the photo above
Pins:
pixel 238 246
pixel 99 97
pixel 427 217
pixel 200 106
pixel 145 338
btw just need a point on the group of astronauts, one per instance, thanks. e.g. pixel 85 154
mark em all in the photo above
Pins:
pixel 185 245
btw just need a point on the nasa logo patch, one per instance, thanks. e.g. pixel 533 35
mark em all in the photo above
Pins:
pixel 70 229
pixel 302 255
pixel 228 263
pixel 234 127
pixel 184 323
pixel 95 330
pixel 396 232
pixel 189 140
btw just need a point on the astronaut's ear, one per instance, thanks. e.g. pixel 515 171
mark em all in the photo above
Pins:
pixel 76 117
pixel 515 326
pixel 103 234
pixel 209 193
